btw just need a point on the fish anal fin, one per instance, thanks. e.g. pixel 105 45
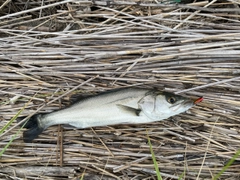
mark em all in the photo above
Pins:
pixel 130 109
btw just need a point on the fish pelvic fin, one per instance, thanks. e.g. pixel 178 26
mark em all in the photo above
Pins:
pixel 34 128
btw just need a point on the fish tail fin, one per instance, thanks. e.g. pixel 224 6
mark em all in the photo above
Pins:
pixel 34 128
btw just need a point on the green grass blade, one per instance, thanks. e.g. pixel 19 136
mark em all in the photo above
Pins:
pixel 183 173
pixel 10 122
pixel 8 144
pixel 82 176
pixel 159 177
pixel 227 165
pixel 6 126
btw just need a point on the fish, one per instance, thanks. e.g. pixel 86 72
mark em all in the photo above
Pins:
pixel 122 106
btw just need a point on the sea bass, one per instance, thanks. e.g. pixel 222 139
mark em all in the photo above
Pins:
pixel 123 106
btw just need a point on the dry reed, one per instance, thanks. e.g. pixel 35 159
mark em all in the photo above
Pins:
pixel 51 50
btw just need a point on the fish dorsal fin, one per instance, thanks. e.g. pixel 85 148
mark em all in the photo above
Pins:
pixel 132 110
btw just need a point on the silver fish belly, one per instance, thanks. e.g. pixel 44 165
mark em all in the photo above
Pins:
pixel 131 105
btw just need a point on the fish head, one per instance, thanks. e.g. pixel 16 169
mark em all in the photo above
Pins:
pixel 162 105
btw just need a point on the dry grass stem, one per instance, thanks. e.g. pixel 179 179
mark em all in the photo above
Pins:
pixel 52 51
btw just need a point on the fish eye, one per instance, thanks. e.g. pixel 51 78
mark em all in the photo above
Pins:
pixel 171 100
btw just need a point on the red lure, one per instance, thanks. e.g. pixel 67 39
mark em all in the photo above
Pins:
pixel 198 100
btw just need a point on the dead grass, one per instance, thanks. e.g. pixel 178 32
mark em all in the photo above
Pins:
pixel 51 50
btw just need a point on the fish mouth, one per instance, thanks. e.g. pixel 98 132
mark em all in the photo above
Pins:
pixel 184 104
pixel 188 103
pixel 192 102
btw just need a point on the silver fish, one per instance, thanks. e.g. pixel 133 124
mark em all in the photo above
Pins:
pixel 124 106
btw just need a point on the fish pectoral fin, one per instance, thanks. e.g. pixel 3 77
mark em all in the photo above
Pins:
pixel 130 109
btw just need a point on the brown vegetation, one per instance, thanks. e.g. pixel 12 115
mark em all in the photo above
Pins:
pixel 51 50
